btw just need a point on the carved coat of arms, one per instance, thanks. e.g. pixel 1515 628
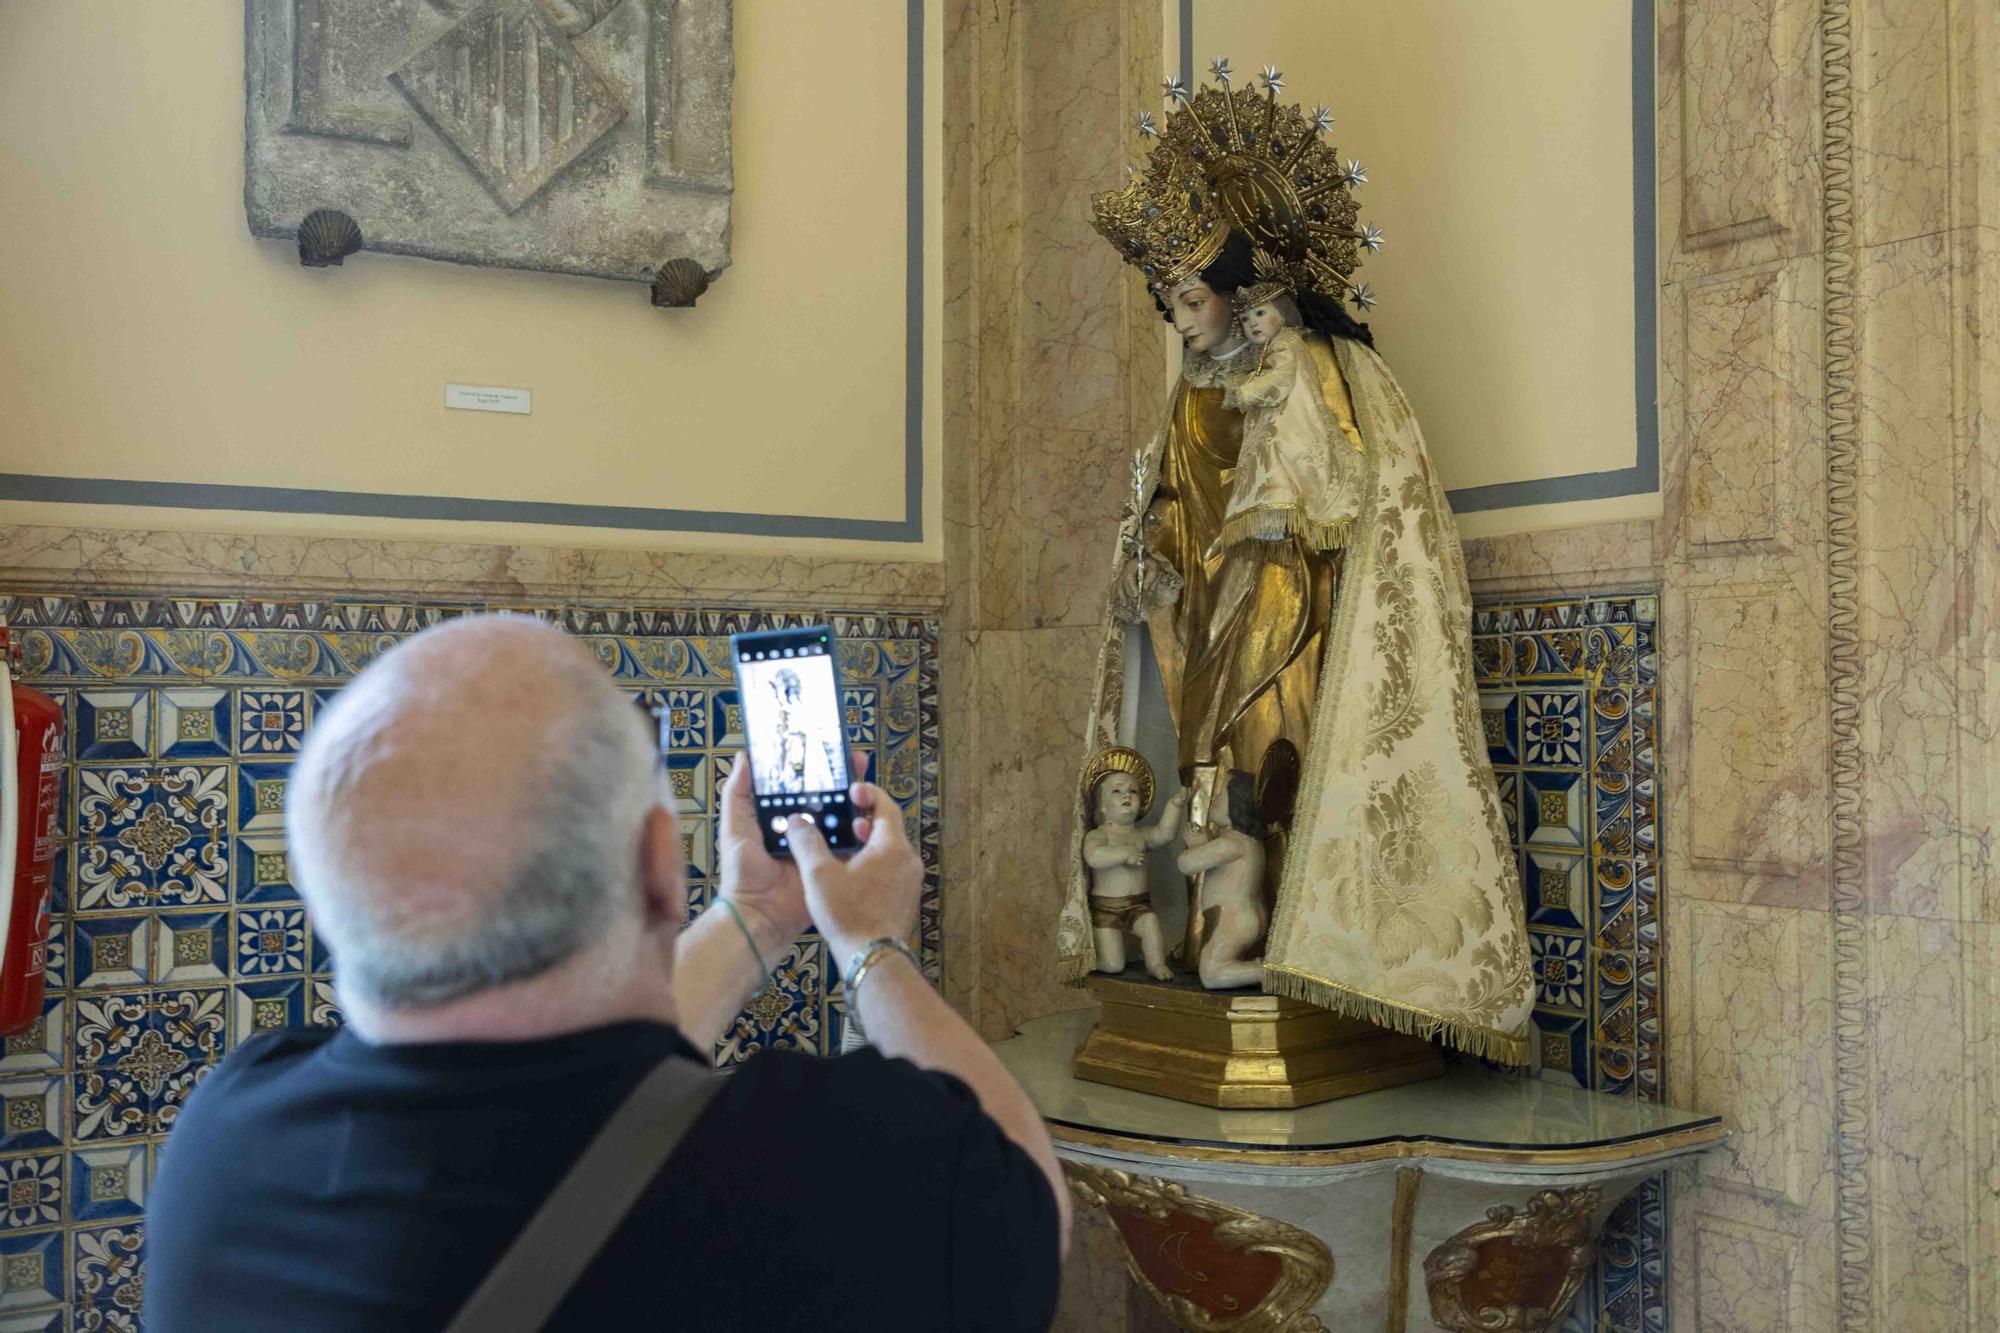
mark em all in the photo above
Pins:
pixel 572 136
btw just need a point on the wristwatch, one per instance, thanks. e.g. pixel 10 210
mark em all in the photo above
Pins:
pixel 857 968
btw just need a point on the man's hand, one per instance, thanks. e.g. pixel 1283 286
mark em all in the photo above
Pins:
pixel 871 896
pixel 763 887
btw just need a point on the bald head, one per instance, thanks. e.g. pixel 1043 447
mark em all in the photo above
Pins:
pixel 468 812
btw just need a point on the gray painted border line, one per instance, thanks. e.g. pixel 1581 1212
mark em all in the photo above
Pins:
pixel 1643 477
pixel 374 504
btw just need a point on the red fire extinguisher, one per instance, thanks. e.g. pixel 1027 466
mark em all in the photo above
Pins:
pixel 30 776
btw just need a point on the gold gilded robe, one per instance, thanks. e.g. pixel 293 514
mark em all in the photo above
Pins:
pixel 1399 901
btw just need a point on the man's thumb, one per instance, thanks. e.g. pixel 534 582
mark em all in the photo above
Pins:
pixel 808 847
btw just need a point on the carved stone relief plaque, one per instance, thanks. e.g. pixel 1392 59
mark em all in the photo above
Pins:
pixel 571 136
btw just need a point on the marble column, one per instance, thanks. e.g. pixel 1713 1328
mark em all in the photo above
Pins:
pixel 1054 371
pixel 1827 238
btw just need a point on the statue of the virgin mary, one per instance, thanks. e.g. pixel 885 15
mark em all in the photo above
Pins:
pixel 1281 635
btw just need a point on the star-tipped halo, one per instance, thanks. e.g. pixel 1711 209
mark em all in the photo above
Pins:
pixel 1322 120
pixel 1363 296
pixel 1146 125
pixel 1371 236
pixel 1274 82
pixel 1175 90
pixel 1219 67
pixel 1356 174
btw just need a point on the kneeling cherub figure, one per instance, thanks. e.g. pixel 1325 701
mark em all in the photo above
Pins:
pixel 1115 853
pixel 1230 861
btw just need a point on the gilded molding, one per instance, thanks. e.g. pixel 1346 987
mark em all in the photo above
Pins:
pixel 1637 1150
pixel 1853 1220
pixel 1293 1267
pixel 1515 1272
pixel 1401 1221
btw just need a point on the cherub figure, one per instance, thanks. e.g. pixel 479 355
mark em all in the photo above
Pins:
pixel 1288 481
pixel 1230 860
pixel 1115 853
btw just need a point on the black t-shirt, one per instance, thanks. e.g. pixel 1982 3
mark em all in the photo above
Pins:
pixel 316 1181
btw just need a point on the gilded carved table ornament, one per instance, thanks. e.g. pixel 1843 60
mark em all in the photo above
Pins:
pixel 1212 1268
pixel 1518 1271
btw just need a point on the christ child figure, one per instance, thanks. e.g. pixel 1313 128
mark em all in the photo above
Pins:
pixel 1297 473
pixel 1115 853
pixel 1230 860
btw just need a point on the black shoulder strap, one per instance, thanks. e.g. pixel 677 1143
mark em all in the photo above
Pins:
pixel 577 1219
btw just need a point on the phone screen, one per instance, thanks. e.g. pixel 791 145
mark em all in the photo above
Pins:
pixel 789 684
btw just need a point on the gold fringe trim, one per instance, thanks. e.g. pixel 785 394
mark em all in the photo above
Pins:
pixel 1486 1043
pixel 1273 522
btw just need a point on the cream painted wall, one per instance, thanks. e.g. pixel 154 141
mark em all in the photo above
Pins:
pixel 145 335
pixel 1497 138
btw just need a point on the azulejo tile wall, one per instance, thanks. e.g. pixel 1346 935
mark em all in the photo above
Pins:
pixel 1569 693
pixel 177 931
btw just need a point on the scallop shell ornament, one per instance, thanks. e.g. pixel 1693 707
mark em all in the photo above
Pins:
pixel 679 283
pixel 326 237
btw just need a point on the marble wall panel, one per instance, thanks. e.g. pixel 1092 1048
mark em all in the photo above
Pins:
pixel 140 560
pixel 1733 410
pixel 1903 146
pixel 1736 122
pixel 1747 1278
pixel 1565 561
pixel 1034 688
pixel 1921 1184
pixel 1912 595
pixel 1754 785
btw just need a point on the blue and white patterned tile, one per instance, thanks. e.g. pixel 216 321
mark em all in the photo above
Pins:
pixel 44 1044
pixel 190 947
pixel 858 714
pixel 108 1182
pixel 322 1004
pixel 698 845
pixel 1553 808
pixel 785 1014
pixel 31 1270
pixel 111 951
pixel 152 836
pixel 1509 784
pixel 270 722
pixel 31 1190
pixel 726 706
pixel 262 871
pixel 260 796
pixel 1565 1040
pixel 1500 718
pixel 193 1025
pixel 264 1006
pixel 691 782
pixel 269 941
pixel 31 1113
pixel 113 724
pixel 196 722
pixel 1558 962
pixel 1557 887
pixel 107 1262
pixel 1552 728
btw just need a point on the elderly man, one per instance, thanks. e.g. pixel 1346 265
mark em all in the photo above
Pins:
pixel 477 829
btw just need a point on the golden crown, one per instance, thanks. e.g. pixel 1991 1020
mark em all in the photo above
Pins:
pixel 1224 160
pixel 1119 759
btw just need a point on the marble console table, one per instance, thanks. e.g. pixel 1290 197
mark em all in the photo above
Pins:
pixel 1437 1205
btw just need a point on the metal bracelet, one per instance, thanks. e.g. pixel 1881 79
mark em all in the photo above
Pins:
pixel 864 958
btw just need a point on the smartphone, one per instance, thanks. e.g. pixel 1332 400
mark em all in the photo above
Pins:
pixel 789 683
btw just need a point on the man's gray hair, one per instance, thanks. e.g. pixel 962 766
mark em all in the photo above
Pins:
pixel 569 858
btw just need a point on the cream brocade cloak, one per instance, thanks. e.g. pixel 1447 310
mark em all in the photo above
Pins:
pixel 1400 902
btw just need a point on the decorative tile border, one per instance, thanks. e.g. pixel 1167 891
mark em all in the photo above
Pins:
pixel 177 932
pixel 1569 694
